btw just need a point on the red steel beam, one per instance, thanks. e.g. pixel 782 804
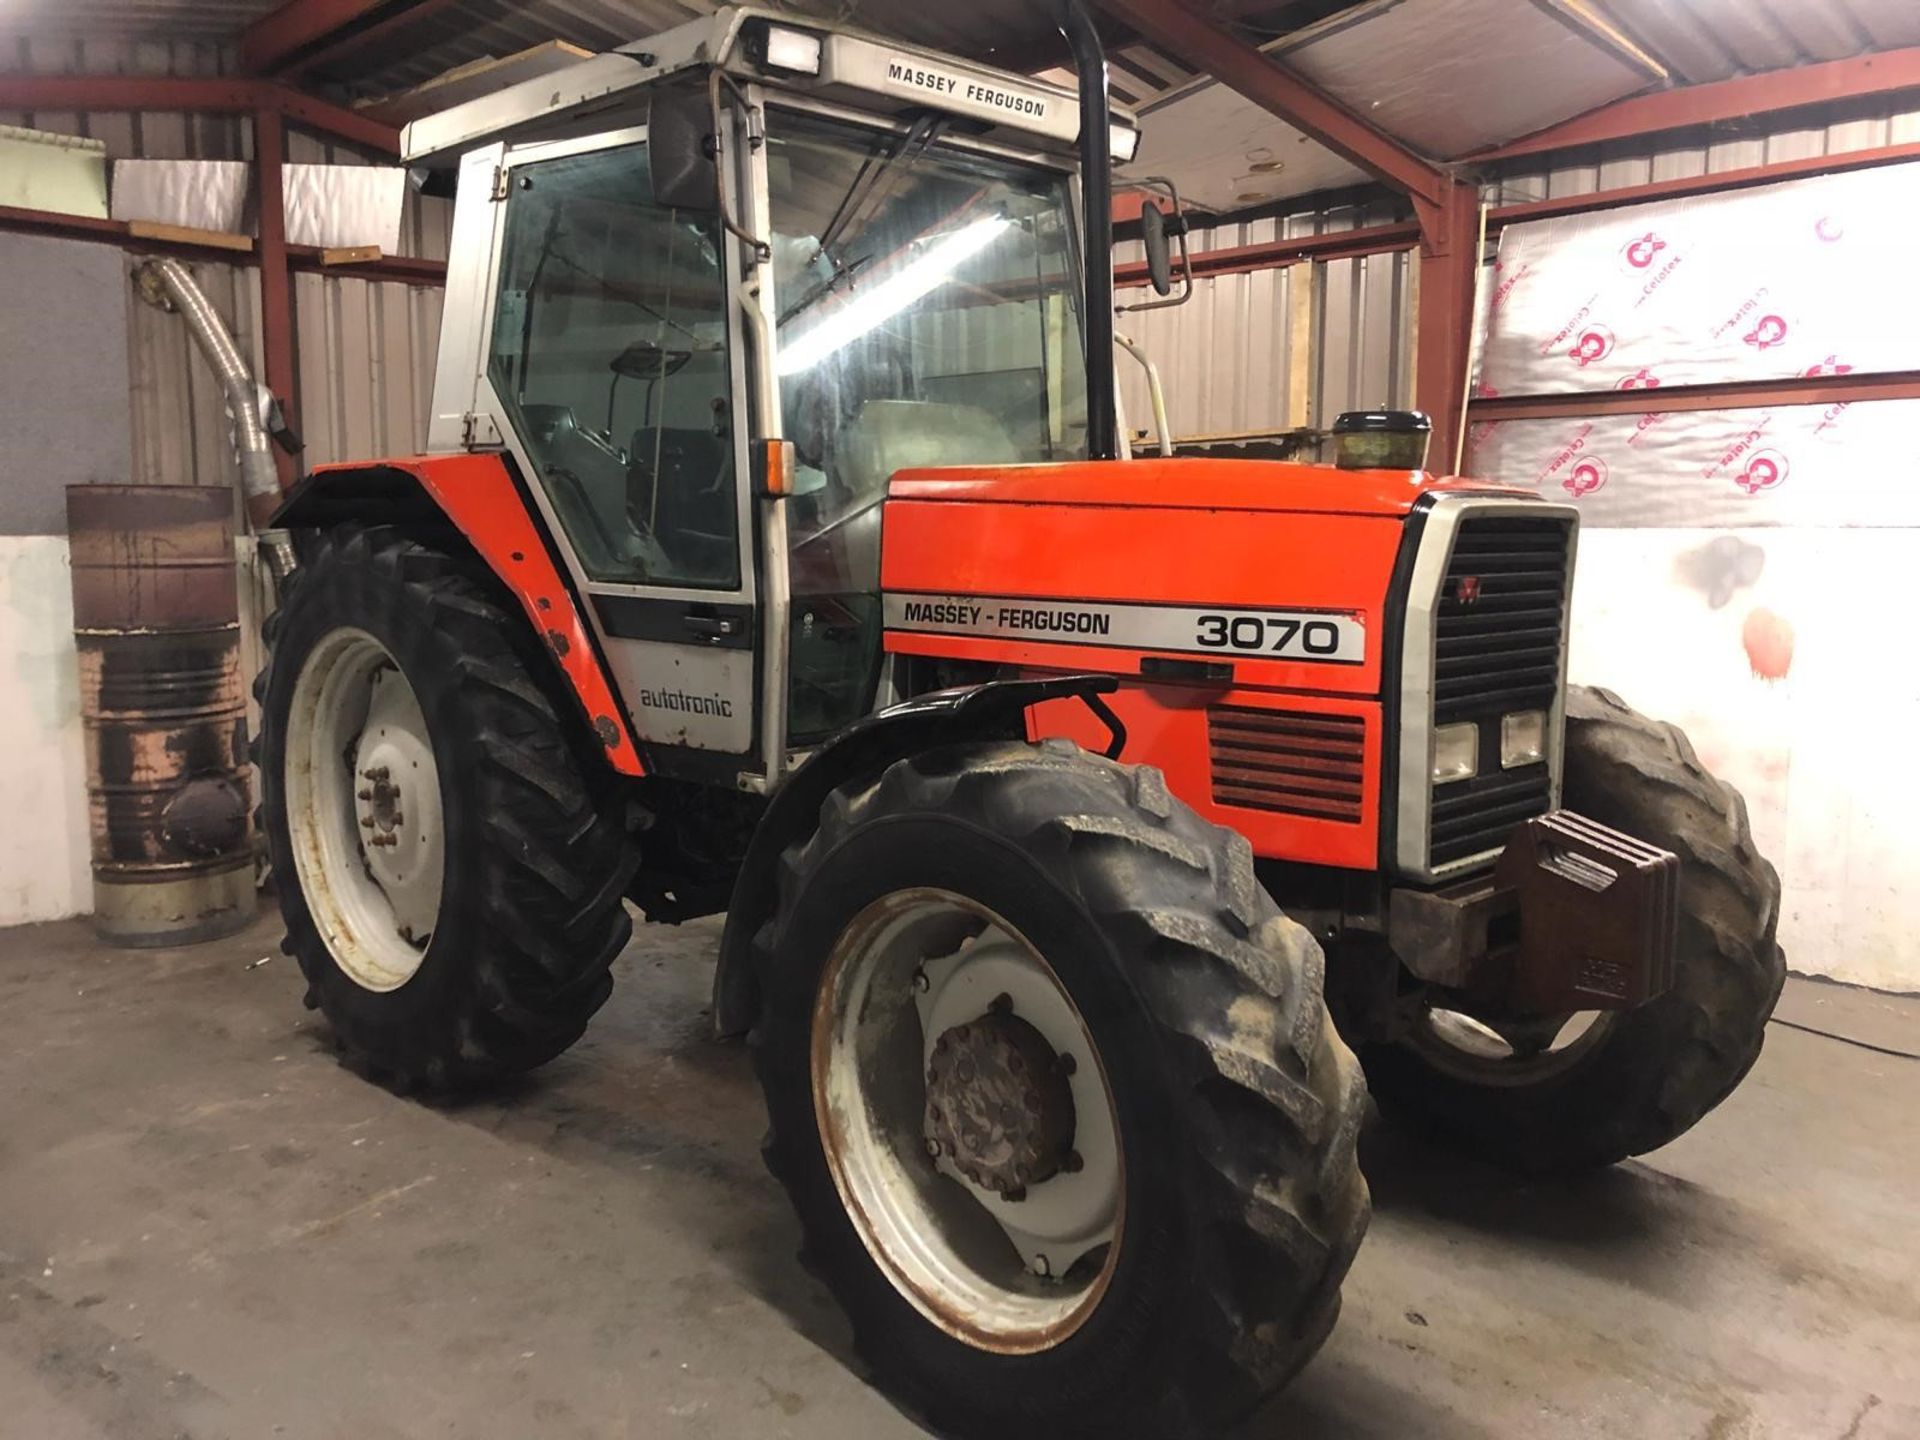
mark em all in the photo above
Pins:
pixel 1205 47
pixel 204 97
pixel 1270 254
pixel 276 281
pixel 1701 184
pixel 1721 100
pixel 1727 395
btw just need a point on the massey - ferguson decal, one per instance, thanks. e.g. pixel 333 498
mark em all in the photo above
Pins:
pixel 1331 636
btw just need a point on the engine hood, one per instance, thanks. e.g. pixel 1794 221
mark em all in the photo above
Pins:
pixel 1187 484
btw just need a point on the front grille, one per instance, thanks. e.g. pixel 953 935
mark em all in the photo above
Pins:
pixel 1283 760
pixel 1497 649
pixel 1497 630
pixel 1473 816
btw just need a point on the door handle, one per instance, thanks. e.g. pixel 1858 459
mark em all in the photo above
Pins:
pixel 714 627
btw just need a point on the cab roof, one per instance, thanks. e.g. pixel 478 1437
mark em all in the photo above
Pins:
pixel 867 71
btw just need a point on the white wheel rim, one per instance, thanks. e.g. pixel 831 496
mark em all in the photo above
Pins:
pixel 1473 1050
pixel 364 809
pixel 1008 1275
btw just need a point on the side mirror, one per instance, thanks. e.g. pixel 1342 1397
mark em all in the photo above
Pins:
pixel 1159 228
pixel 1153 232
pixel 680 151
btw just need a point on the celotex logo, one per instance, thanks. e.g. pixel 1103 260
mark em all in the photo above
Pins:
pixel 1641 379
pixel 1586 477
pixel 1595 342
pixel 1640 251
pixel 1769 332
pixel 1765 470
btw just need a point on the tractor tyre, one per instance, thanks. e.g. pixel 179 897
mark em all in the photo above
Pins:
pixel 450 889
pixel 1054 1091
pixel 1634 1079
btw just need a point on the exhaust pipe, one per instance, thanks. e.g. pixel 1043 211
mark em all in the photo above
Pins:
pixel 1096 197
pixel 166 284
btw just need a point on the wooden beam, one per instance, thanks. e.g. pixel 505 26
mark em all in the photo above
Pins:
pixel 1724 100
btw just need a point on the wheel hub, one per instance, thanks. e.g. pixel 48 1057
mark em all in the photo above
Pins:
pixel 999 1104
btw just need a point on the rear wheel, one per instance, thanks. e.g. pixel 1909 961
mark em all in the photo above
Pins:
pixel 1054 1092
pixel 451 891
pixel 1572 1092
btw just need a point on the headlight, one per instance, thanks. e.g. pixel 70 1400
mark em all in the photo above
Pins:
pixel 781 47
pixel 1523 738
pixel 1456 752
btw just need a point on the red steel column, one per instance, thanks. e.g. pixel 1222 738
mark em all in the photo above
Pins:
pixel 1449 265
pixel 276 280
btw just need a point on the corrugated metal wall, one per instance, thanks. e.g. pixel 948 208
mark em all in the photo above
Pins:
pixel 365 350
pixel 1228 359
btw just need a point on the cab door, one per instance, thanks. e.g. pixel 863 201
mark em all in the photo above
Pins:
pixel 611 367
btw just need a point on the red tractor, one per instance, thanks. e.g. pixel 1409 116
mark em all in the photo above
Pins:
pixel 779 552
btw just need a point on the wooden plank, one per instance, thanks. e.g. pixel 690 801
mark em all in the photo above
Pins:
pixel 474 79
pixel 349 254
pixel 188 235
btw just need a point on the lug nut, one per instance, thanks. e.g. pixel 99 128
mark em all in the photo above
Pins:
pixel 1042 1267
pixel 366 822
pixel 920 981
pixel 1065 1063
pixel 1001 1004
pixel 933 1148
pixel 363 795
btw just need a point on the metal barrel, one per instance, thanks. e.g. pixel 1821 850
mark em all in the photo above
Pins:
pixel 156 616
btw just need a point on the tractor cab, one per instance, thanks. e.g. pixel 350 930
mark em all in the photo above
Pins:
pixel 721 287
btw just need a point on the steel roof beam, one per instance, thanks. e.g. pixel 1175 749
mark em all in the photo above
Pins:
pixel 304 33
pixel 1723 100
pixel 200 97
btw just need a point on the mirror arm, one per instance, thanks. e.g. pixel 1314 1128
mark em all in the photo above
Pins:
pixel 761 251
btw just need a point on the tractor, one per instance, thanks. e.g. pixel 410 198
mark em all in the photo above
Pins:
pixel 1087 824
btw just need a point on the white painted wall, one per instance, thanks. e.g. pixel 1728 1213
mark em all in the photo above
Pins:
pixel 1822 755
pixel 43 794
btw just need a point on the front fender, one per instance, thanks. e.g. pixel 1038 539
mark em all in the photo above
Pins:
pixel 993 711
pixel 479 495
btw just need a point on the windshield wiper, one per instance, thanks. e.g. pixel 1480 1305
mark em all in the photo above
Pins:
pixel 915 144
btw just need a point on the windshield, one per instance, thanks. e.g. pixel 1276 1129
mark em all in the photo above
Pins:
pixel 926 309
pixel 926 315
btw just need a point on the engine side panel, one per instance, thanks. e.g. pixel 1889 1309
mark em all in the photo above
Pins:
pixel 478 495
pixel 1248 639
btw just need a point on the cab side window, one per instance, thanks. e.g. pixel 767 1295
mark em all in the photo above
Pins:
pixel 609 352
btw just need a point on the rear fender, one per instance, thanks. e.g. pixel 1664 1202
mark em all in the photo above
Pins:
pixel 993 711
pixel 479 496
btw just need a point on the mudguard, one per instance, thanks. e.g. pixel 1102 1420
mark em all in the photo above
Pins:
pixel 479 496
pixel 992 711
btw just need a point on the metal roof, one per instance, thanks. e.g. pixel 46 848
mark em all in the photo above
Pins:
pixel 1445 76
pixel 1714 39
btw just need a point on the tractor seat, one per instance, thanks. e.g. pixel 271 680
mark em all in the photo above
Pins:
pixel 694 517
pixel 890 435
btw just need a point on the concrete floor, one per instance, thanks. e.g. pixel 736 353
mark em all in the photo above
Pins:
pixel 208 1228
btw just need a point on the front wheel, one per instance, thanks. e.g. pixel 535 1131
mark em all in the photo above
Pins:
pixel 1567 1093
pixel 1055 1095
pixel 452 891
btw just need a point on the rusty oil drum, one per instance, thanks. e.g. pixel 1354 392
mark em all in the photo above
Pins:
pixel 157 624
